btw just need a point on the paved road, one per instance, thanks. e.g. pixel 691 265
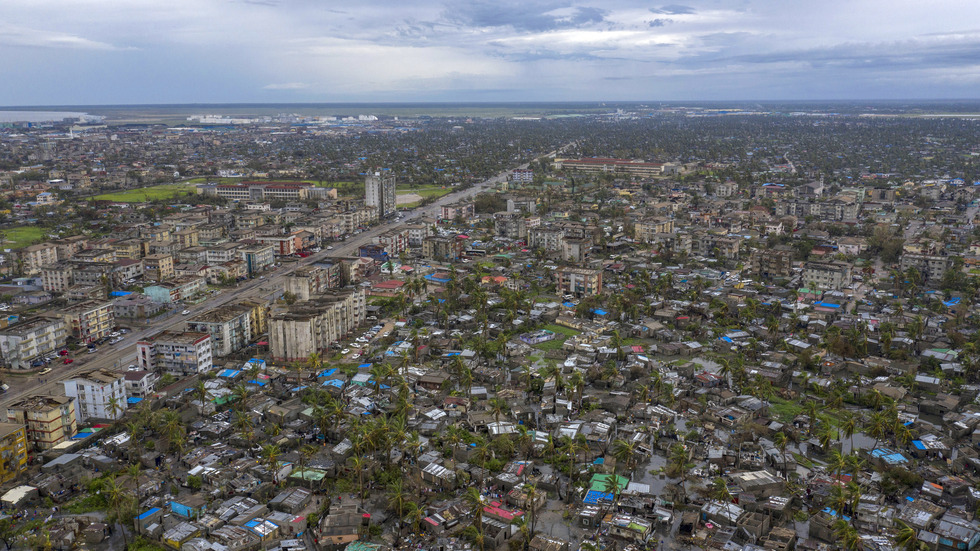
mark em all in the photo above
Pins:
pixel 124 353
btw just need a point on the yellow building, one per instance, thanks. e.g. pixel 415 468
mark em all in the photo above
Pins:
pixel 13 450
pixel 50 420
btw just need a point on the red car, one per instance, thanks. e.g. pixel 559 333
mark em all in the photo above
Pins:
pixel 69 360
pixel 62 352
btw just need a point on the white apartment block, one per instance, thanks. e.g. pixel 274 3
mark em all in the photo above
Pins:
pixel 184 353
pixel 30 339
pixel 379 192
pixel 98 394
pixel 230 328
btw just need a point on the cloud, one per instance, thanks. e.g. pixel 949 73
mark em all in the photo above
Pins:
pixel 33 38
pixel 673 9
pixel 660 22
pixel 286 86
pixel 521 16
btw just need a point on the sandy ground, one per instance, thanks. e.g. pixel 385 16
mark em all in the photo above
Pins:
pixel 407 198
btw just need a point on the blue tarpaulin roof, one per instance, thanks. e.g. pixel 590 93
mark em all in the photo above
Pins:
pixel 334 382
pixel 133 400
pixel 120 293
pixel 229 373
pixel 827 304
pixel 327 372
pixel 918 444
pixel 952 302
pixel 599 312
pixel 147 513
pixel 594 496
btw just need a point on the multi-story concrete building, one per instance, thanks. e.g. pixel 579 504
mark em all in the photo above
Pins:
pixel 771 263
pixel 258 258
pixel 578 282
pixel 98 394
pixel 460 209
pixel 282 245
pixel 57 277
pixel 548 238
pixel 416 233
pixel 575 249
pixel 90 320
pixel 188 237
pixel 30 339
pixel 647 230
pixel 185 353
pixel 834 209
pixel 379 193
pixel 522 175
pixel 223 252
pixel 595 165
pixel 442 248
pixel 34 257
pixel 930 267
pixel 527 205
pixel 394 241
pixel 307 281
pixel 827 275
pixel 310 326
pixel 50 420
pixel 158 267
pixel 512 225
pixel 229 327
pixel 140 384
pixel 13 450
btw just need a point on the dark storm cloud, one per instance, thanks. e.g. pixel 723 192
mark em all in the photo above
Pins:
pixel 674 9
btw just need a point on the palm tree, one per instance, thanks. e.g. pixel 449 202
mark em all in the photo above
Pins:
pixel 118 500
pixel 625 452
pixel 134 470
pixel 497 408
pixel 114 407
pixel 314 363
pixel 847 535
pixel 201 390
pixel 270 454
pixel 720 492
pixel 907 538
pixel 837 463
pixel 780 440
pixel 577 382
pixel 474 500
pixel 397 500
pixel 848 427
pixel 358 463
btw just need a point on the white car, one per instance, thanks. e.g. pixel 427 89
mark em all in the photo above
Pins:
pixel 345 351
pixel 329 247
pixel 185 312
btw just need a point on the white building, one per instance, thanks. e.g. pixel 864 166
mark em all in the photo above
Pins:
pixel 98 394
pixel 379 192
pixel 30 339
pixel 177 353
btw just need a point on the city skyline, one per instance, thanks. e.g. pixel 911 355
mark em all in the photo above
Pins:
pixel 263 51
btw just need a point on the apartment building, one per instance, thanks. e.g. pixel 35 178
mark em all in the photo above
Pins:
pixel 282 245
pixel 930 267
pixel 512 225
pixel 158 267
pixel 827 275
pixel 90 320
pixel 297 331
pixel 417 233
pixel 379 193
pixel 229 327
pixel 50 420
pixel 307 281
pixel 647 230
pixel 578 281
pixel 13 450
pixel 769 264
pixel 184 353
pixel 257 258
pixel 460 209
pixel 548 238
pixel 394 241
pixel 188 237
pixel 57 277
pixel 30 339
pixel 597 165
pixel 439 248
pixel 527 205
pixel 36 256
pixel 98 394
pixel 129 248
pixel 223 252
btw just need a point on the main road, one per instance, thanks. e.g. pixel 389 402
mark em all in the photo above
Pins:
pixel 124 353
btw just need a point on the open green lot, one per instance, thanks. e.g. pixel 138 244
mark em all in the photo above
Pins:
pixel 165 191
pixel 21 236
pixel 561 329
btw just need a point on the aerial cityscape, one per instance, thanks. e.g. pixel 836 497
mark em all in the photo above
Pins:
pixel 489 276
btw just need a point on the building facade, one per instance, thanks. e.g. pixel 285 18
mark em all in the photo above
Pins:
pixel 379 193
pixel 98 394
pixel 50 420
pixel 185 353
pixel 578 282
pixel 30 339
pixel 229 327
pixel 310 326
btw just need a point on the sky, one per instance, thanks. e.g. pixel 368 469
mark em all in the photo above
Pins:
pixel 93 52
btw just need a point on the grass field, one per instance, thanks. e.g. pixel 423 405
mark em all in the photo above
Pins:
pixel 165 191
pixel 561 329
pixel 22 236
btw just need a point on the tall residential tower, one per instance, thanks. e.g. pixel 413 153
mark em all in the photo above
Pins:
pixel 379 192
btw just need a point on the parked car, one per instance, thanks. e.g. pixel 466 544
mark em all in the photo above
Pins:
pixel 45 371
pixel 185 312
pixel 69 360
